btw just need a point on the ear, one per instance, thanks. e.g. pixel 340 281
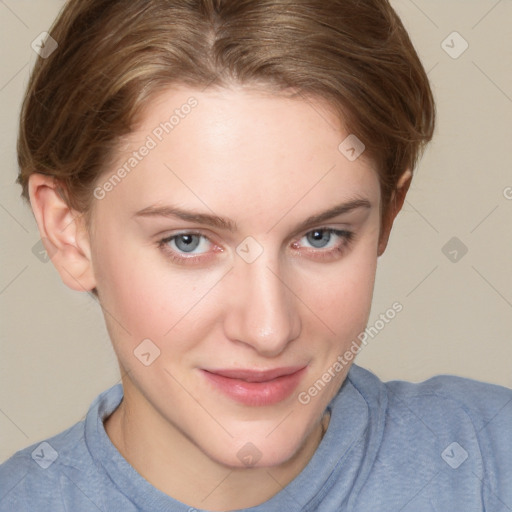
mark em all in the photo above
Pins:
pixel 395 205
pixel 63 233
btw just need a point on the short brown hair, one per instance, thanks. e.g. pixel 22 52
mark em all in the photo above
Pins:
pixel 114 56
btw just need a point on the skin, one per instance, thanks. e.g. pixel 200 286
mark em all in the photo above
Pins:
pixel 267 163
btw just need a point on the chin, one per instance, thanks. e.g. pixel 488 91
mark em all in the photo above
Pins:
pixel 259 453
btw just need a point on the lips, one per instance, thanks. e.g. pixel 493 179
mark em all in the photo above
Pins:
pixel 256 387
pixel 256 375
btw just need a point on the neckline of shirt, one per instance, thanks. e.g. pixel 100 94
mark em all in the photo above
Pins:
pixel 350 411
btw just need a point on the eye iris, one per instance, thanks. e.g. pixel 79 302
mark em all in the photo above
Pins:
pixel 319 238
pixel 187 243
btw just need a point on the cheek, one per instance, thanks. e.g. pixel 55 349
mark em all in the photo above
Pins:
pixel 130 290
pixel 145 297
pixel 343 298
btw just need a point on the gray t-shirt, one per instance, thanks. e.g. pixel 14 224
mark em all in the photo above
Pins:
pixel 444 445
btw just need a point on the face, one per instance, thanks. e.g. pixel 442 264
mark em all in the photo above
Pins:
pixel 240 241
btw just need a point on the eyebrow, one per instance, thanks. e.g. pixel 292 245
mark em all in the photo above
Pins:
pixel 228 225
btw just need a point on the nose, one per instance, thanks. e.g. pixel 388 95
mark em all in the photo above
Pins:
pixel 263 310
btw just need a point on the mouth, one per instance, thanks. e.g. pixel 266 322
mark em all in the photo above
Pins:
pixel 257 375
pixel 256 387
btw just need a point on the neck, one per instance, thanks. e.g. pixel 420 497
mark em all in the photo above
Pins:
pixel 169 460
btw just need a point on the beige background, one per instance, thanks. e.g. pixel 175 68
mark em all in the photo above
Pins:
pixel 457 316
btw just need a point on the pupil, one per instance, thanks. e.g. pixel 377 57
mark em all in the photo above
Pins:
pixel 187 243
pixel 319 238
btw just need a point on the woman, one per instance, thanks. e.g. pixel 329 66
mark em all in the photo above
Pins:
pixel 223 177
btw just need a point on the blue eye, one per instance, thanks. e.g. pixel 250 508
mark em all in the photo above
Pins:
pixel 326 238
pixel 319 238
pixel 189 248
pixel 187 243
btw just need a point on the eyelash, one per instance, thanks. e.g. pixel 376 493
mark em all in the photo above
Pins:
pixel 320 254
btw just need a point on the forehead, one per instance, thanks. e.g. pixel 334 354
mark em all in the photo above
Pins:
pixel 227 148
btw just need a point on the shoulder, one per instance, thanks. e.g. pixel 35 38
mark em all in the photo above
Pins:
pixel 483 404
pixel 60 469
pixel 486 406
pixel 34 474
pixel 453 430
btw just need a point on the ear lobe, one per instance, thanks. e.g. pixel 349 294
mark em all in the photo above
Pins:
pixel 63 233
pixel 395 205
